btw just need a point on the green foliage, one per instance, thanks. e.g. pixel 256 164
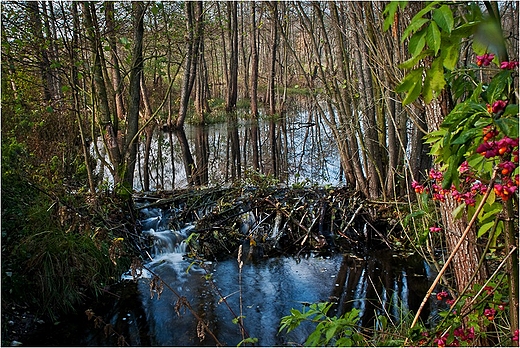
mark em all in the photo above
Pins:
pixel 342 331
pixel 260 180
pixel 435 36
pixel 477 140
pixel 249 340
pixel 51 258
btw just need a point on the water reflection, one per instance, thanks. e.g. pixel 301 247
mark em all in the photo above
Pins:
pixel 268 290
pixel 294 148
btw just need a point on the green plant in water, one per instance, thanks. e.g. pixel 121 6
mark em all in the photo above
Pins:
pixel 258 179
pixel 342 331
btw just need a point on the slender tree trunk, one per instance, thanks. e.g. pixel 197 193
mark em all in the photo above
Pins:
pixel 194 15
pixel 189 163
pixel 254 89
pixel 202 154
pixel 52 50
pixel 132 121
pixel 43 57
pixel 202 92
pixel 274 47
pixel 100 92
pixel 149 130
pixel 114 60
pixel 232 95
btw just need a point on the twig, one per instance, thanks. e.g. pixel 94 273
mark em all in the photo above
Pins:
pixel 352 219
pixel 493 275
pixel 378 233
pixel 240 264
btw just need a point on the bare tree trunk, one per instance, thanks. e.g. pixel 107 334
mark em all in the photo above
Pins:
pixel 53 54
pixel 114 60
pixel 274 47
pixel 202 154
pixel 187 158
pixel 149 130
pixel 244 50
pixel 232 95
pixel 132 121
pixel 254 89
pixel 224 45
pixel 44 63
pixel 101 93
pixel 193 26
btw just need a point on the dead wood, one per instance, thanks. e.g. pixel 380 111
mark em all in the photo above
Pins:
pixel 268 220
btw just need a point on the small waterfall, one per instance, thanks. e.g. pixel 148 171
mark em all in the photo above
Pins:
pixel 168 241
pixel 168 246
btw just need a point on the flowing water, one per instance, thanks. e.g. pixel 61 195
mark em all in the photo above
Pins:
pixel 262 291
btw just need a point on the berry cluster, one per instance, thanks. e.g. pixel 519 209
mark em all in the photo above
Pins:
pixel 467 194
pixel 506 150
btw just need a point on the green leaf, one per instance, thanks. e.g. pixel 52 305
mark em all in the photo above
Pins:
pixel 250 340
pixel 434 82
pixel 490 210
pixel 433 37
pixel 314 339
pixel 444 18
pixel 417 42
pixel 466 135
pixel 418 213
pixel 424 11
pixel 413 27
pixel 492 196
pixel 509 126
pixel 511 109
pixel 484 228
pixel 412 85
pixel 435 135
pixel 457 212
pixel 461 112
pixel 450 50
pixel 498 230
pixel 466 30
pixel 410 63
pixel 389 14
pixel 497 86
pixel 331 331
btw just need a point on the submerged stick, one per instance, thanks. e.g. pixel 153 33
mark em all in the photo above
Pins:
pixel 452 255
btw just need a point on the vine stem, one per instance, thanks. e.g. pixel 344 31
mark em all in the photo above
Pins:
pixel 454 251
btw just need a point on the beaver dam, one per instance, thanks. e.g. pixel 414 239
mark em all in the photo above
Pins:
pixel 269 221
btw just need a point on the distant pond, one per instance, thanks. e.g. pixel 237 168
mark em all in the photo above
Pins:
pixel 295 148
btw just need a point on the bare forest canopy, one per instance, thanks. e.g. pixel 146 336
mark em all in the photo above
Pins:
pixel 75 71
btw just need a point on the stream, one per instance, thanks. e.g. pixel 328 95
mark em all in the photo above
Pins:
pixel 262 292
